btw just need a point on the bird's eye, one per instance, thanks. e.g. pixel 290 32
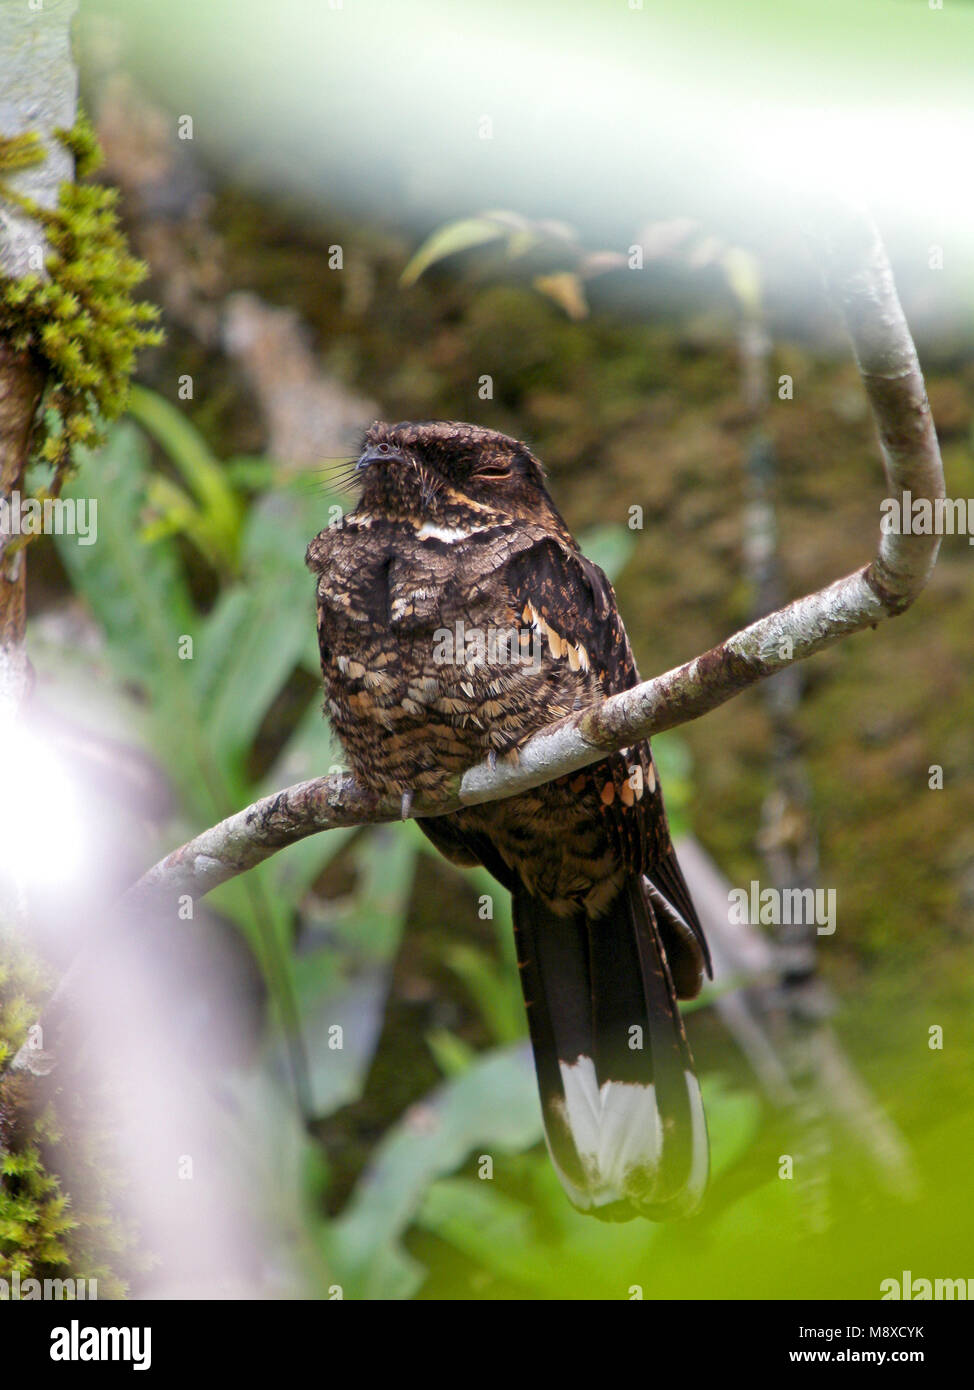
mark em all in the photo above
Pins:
pixel 383 448
pixel 494 472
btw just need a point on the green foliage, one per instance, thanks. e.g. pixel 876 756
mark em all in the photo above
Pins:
pixel 453 238
pixel 80 319
pixel 208 509
pixel 492 1104
pixel 34 1218
pixel 82 142
pixel 43 1233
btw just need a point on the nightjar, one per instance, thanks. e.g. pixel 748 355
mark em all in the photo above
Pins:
pixel 456 617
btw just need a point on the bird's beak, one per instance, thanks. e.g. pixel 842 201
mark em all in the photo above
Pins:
pixel 372 455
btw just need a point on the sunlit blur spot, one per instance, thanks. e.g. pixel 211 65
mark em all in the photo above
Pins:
pixel 42 829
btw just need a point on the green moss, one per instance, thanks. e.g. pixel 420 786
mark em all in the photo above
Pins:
pixel 34 1216
pixel 81 318
pixel 20 151
pixel 82 141
pixel 50 1143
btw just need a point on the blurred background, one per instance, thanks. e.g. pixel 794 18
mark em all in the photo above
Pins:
pixel 584 226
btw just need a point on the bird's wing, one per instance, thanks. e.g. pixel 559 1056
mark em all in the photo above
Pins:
pixel 571 603
pixel 576 600
pixel 567 600
pixel 555 586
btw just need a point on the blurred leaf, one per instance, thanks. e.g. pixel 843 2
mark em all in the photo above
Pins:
pixel 501 917
pixel 521 241
pixel 671 754
pixel 217 510
pixel 138 596
pixel 451 1054
pixel 248 647
pixel 493 1106
pixel 343 968
pixel 496 1231
pixel 331 998
pixel 448 240
pixel 733 1118
pixel 609 547
pixel 536 1239
pixel 251 473
pixel 496 995
pixel 567 291
pixel 260 629
pixel 385 860
pixel 744 277
pixel 136 592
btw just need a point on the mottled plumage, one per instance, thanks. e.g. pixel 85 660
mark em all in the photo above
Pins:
pixel 456 616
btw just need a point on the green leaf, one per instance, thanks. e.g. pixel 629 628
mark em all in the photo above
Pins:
pixel 185 448
pixel 448 240
pixel 331 997
pixel 259 630
pixel 493 1229
pixel 220 509
pixel 496 994
pixel 565 288
pixel 536 1239
pixel 609 547
pixel 385 860
pixel 493 1105
pixel 136 592
pixel 451 1054
pixel 247 648
pixel 519 1226
pixel 250 473
pixel 139 597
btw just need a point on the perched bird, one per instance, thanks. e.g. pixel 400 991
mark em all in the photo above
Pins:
pixel 456 617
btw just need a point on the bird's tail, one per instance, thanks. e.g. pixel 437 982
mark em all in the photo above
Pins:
pixel 623 1117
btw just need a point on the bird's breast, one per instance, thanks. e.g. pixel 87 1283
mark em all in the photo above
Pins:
pixel 427 667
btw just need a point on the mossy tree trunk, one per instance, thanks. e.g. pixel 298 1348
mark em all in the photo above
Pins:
pixel 38 95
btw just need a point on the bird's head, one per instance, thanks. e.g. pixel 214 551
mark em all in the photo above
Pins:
pixel 449 472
